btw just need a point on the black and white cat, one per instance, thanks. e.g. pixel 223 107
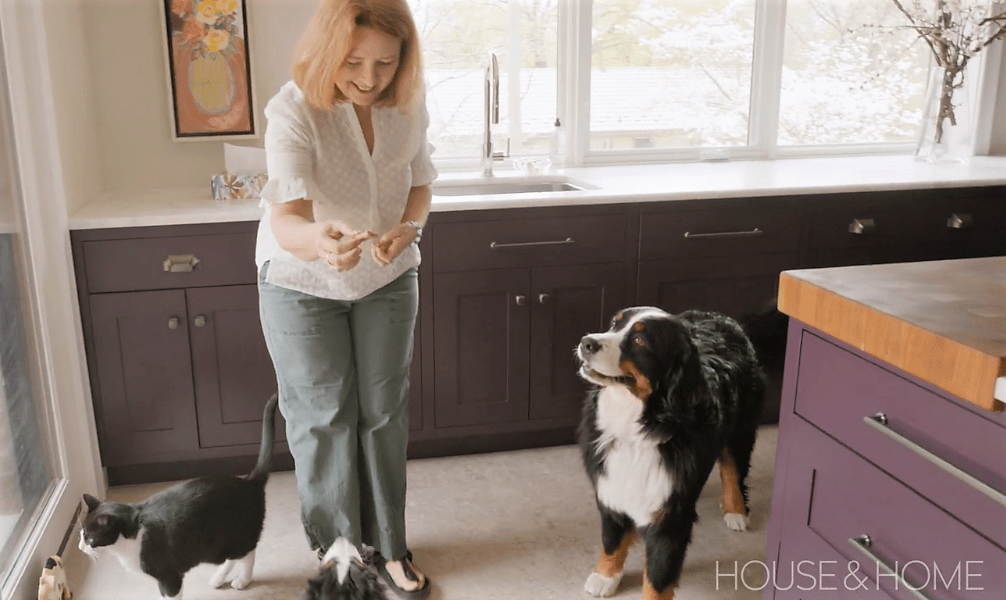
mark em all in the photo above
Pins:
pixel 214 520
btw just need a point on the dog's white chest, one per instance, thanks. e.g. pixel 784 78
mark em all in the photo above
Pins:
pixel 635 480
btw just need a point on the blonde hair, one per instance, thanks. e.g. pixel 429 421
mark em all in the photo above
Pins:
pixel 326 42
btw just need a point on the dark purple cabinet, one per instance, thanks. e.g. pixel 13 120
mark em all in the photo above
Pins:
pixel 859 492
pixel 481 336
pixel 566 303
pixel 505 340
pixel 913 225
pixel 178 363
pixel 143 375
pixel 512 293
pixel 179 369
pixel 231 367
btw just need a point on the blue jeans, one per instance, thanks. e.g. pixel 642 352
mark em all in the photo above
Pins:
pixel 343 374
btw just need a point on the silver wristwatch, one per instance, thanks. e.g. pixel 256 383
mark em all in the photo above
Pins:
pixel 419 229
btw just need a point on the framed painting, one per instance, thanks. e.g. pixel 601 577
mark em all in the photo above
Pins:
pixel 208 65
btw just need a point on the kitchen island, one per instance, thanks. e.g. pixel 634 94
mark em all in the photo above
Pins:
pixel 889 479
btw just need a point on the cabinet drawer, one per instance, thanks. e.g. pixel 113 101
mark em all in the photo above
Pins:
pixel 841 497
pixel 838 391
pixel 510 243
pixel 718 233
pixel 969 218
pixel 965 218
pixel 139 264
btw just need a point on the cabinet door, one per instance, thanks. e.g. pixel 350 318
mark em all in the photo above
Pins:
pixel 481 323
pixel 144 376
pixel 567 303
pixel 733 285
pixel 231 367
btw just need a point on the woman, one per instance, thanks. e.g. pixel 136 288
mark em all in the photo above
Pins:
pixel 348 192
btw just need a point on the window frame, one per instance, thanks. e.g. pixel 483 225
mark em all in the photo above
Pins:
pixel 574 67
pixel 64 393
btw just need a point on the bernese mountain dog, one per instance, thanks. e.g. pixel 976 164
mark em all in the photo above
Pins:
pixel 675 394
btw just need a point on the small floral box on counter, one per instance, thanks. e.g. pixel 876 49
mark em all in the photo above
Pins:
pixel 238 187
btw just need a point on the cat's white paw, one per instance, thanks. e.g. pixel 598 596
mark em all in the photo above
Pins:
pixel 220 575
pixel 736 521
pixel 245 567
pixel 600 586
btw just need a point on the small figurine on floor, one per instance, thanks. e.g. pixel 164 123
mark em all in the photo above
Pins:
pixel 52 584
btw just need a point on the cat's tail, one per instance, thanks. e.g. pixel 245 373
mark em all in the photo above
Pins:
pixel 264 465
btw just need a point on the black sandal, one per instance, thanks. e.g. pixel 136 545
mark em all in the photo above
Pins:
pixel 420 594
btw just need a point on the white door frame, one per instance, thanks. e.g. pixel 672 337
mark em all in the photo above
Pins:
pixel 69 418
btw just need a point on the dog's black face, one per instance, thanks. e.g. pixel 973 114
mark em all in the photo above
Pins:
pixel 643 350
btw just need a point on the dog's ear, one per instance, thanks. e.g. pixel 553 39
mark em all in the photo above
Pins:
pixel 682 387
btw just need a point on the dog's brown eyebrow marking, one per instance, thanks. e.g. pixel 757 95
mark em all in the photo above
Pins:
pixel 638 326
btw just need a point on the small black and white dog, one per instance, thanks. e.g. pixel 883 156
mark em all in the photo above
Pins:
pixel 348 574
pixel 676 393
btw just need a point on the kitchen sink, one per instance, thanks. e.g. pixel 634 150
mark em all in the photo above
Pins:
pixel 492 187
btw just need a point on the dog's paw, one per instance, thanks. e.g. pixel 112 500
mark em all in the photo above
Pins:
pixel 600 586
pixel 736 521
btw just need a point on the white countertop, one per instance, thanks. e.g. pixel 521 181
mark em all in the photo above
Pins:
pixel 612 184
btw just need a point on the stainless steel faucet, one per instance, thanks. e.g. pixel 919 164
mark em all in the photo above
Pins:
pixel 492 110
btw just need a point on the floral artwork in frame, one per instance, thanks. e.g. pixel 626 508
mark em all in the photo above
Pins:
pixel 209 69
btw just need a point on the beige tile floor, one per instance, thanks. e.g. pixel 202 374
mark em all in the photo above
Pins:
pixel 510 525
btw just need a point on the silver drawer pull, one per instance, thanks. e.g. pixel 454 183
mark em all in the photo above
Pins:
pixel 498 245
pixel 879 423
pixel 181 263
pixel 960 221
pixel 863 543
pixel 862 226
pixel 755 231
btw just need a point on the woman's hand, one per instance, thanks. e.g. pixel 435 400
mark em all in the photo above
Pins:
pixel 392 243
pixel 339 245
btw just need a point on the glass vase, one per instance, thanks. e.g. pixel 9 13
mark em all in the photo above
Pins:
pixel 945 135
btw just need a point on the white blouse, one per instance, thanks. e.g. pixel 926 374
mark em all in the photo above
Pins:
pixel 322 156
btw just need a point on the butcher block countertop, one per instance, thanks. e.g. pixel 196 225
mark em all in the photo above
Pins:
pixel 941 321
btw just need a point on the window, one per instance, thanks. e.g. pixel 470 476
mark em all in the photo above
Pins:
pixel 670 73
pixel 25 458
pixel 847 81
pixel 46 454
pixel 638 80
pixel 457 37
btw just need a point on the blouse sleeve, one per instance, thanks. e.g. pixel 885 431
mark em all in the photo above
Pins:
pixel 423 171
pixel 289 151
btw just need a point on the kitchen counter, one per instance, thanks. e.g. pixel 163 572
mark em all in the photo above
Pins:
pixel 941 321
pixel 606 185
